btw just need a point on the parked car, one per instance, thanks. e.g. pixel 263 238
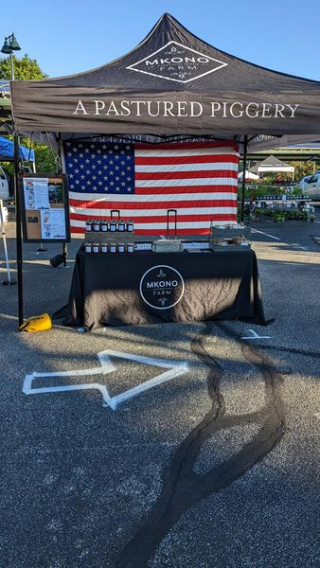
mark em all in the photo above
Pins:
pixel 305 179
pixel 311 186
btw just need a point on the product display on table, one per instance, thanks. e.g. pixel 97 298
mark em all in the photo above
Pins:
pixel 158 283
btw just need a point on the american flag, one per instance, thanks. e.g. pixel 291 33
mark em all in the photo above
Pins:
pixel 143 181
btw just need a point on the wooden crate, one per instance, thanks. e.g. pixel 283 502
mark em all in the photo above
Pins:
pixel 244 231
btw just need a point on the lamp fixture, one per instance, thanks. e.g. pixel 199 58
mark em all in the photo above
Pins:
pixel 10 44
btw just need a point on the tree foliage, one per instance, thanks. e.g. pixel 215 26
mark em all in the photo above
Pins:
pixel 24 69
pixel 46 160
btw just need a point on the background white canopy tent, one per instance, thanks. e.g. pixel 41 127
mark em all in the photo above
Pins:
pixel 248 175
pixel 272 164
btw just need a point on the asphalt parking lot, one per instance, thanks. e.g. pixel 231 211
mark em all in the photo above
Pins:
pixel 216 466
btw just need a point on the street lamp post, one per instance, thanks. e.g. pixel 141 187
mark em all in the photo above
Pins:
pixel 10 45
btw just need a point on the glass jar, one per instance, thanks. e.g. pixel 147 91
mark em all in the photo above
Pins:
pixel 104 247
pixel 104 226
pixel 87 247
pixel 88 226
pixel 130 226
pixel 113 247
pixel 121 247
pixel 130 247
pixel 96 247
pixel 113 226
pixel 96 226
pixel 121 226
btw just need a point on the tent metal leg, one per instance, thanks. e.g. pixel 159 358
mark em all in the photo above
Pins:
pixel 18 228
pixel 244 167
pixel 8 282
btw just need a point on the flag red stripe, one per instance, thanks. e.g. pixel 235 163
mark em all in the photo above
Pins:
pixel 211 159
pixel 123 205
pixel 233 146
pixel 185 175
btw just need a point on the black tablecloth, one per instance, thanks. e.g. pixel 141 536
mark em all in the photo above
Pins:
pixel 144 287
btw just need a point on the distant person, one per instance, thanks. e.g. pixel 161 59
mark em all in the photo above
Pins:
pixel 252 202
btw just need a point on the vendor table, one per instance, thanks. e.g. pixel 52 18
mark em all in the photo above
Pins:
pixel 145 287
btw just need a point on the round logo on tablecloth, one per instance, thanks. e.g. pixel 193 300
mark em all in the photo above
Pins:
pixel 161 287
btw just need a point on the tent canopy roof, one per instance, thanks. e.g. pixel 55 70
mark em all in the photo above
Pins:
pixel 7 151
pixel 272 164
pixel 248 175
pixel 172 84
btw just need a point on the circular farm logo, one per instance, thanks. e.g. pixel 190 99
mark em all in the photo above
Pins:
pixel 161 287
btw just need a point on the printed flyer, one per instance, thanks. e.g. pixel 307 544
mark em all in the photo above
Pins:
pixel 46 213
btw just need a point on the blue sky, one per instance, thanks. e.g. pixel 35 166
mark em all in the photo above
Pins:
pixel 71 36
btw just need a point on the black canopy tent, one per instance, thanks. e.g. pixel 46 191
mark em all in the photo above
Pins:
pixel 172 83
pixel 171 86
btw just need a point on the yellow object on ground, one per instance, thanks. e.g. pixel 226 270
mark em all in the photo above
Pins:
pixel 37 323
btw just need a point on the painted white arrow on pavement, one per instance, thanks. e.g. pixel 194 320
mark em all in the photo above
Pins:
pixel 176 368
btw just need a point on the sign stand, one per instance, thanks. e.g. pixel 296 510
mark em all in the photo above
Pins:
pixel 41 248
pixel 65 254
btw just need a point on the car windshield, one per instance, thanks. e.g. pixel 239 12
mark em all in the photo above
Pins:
pixel 312 179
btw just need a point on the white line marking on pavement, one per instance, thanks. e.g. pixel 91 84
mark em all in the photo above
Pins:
pixel 266 234
pixel 256 336
pixel 176 368
pixel 300 247
pixel 275 238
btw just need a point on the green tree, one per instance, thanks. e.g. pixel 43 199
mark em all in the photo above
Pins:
pixel 304 168
pixel 24 69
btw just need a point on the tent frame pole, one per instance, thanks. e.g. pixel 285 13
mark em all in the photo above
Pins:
pixel 8 282
pixel 18 227
pixel 62 170
pixel 244 168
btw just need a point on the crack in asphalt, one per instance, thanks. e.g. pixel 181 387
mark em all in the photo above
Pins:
pixel 182 486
